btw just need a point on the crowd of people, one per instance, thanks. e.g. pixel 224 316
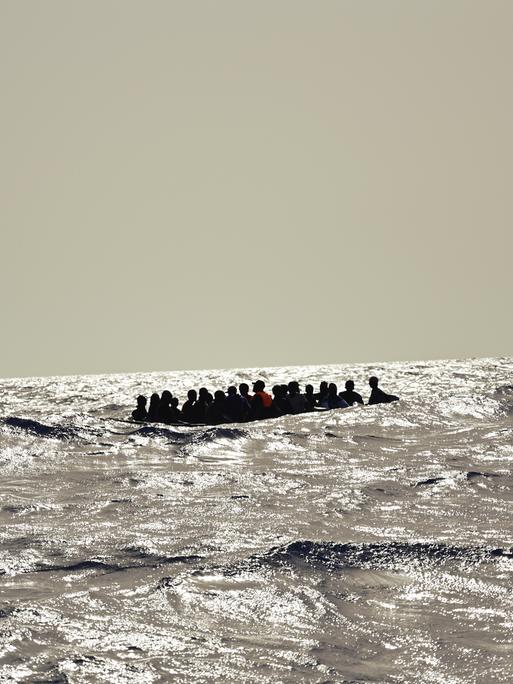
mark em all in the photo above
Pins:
pixel 238 406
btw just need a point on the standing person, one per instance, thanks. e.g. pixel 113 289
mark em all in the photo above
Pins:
pixel 350 395
pixel 154 408
pixel 140 413
pixel 377 395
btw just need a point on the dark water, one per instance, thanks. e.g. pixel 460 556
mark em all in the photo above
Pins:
pixel 365 545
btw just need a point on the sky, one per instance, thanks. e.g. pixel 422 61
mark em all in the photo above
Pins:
pixel 233 183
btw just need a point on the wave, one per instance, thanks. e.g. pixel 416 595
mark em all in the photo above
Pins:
pixel 68 432
pixel 504 395
pixel 374 555
pixel 472 474
pixel 154 560
pixel 208 435
pixel 78 566
pixel 171 435
pixel 468 475
pixel 149 561
pixel 504 391
pixel 221 433
pixel 36 428
pixel 429 481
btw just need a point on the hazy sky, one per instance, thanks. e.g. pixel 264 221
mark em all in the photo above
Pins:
pixel 227 183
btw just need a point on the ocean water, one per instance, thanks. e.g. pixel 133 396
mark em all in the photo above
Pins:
pixel 372 544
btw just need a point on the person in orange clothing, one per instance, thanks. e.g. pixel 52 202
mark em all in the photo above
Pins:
pixel 261 404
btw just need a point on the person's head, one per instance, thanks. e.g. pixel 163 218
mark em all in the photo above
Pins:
pixel 174 402
pixel 204 394
pixel 323 387
pixel 332 389
pixel 309 390
pixel 277 391
pixel 219 396
pixel 373 382
pixel 232 391
pixel 192 395
pixel 284 390
pixel 259 386
pixel 293 388
pixel 166 397
pixel 141 401
pixel 243 389
pixel 349 385
pixel 154 399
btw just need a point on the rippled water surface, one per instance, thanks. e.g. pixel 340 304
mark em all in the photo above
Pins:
pixel 372 544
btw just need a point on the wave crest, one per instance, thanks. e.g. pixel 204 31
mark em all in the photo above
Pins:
pixel 208 435
pixel 376 555
pixel 39 429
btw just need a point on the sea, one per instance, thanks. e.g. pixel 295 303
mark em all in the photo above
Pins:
pixel 369 544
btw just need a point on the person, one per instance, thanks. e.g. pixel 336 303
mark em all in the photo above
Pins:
pixel 350 395
pixel 205 396
pixel 322 393
pixel 140 413
pixel 244 392
pixel 332 400
pixel 164 413
pixel 280 405
pixel 189 410
pixel 216 411
pixel 310 398
pixel 153 410
pixel 176 414
pixel 297 401
pixel 377 395
pixel 204 401
pixel 237 408
pixel 262 401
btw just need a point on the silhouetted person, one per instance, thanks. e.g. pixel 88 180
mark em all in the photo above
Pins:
pixel 322 393
pixel 244 392
pixel 164 412
pixel 377 395
pixel 237 408
pixel 261 404
pixel 176 414
pixel 297 401
pixel 216 411
pixel 153 410
pixel 204 401
pixel 140 413
pixel 350 395
pixel 310 398
pixel 280 403
pixel 189 410
pixel 205 395
pixel 332 400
